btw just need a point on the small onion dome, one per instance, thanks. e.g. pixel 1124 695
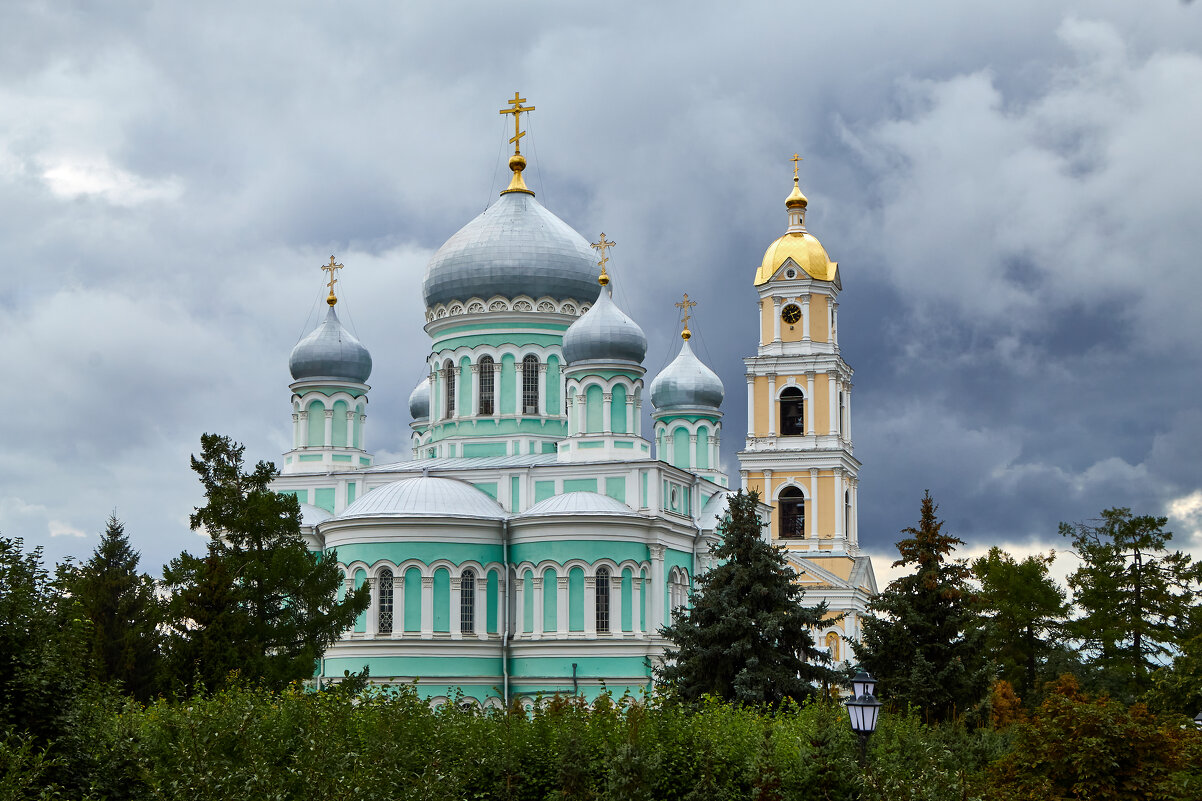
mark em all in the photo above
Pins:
pixel 578 503
pixel 425 496
pixel 796 200
pixel 419 400
pixel 686 383
pixel 604 333
pixel 804 249
pixel 514 247
pixel 330 351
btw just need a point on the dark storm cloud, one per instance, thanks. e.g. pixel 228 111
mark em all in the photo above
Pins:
pixel 1010 193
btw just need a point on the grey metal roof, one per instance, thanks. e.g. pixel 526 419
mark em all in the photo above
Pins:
pixel 575 503
pixel 425 496
pixel 686 383
pixel 330 351
pixel 713 514
pixel 515 247
pixel 419 400
pixel 604 333
pixel 312 515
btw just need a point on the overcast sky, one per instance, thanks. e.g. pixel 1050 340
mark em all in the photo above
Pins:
pixel 1012 192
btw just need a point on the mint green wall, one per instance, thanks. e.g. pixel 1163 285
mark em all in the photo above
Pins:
pixel 528 606
pixel 643 482
pixel 350 493
pixel 338 429
pixel 617 410
pixel 413 599
pixel 615 487
pixel 554 403
pixel 550 598
pixel 425 667
pixel 517 337
pixel 489 488
pixel 302 496
pixel 361 621
pixel 324 499
pixel 515 494
pixel 485 449
pixel 593 402
pixel 627 585
pixel 703 448
pixel 488 427
pixel 507 393
pixel 579 485
pixel 543 490
pixel 397 552
pixel 680 449
pixel 464 389
pixel 563 550
pixel 317 424
pixel 357 431
pixel 442 600
pixel 576 599
pixel 492 594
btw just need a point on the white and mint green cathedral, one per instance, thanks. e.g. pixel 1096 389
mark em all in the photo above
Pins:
pixel 538 538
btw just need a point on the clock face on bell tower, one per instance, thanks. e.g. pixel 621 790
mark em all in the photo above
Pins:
pixel 791 314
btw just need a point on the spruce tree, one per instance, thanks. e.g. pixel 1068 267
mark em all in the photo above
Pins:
pixel 259 601
pixel 124 613
pixel 922 639
pixel 747 637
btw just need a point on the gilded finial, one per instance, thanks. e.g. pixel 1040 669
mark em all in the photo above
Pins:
pixel 795 200
pixel 517 162
pixel 685 305
pixel 601 247
pixel 330 268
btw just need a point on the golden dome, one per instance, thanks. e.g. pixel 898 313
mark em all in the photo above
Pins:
pixel 804 249
pixel 795 200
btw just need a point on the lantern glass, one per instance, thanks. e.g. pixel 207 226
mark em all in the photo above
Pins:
pixel 863 711
pixel 1198 720
pixel 863 684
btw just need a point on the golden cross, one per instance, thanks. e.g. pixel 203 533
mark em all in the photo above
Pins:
pixel 796 158
pixel 330 268
pixel 685 305
pixel 601 247
pixel 516 111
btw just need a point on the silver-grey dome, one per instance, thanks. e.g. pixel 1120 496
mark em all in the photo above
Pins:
pixel 312 515
pixel 578 503
pixel 425 496
pixel 329 351
pixel 515 247
pixel 604 332
pixel 419 400
pixel 686 383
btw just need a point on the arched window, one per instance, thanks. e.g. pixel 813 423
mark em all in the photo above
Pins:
pixel 792 412
pixel 530 385
pixel 603 600
pixel 487 394
pixel 384 601
pixel 467 602
pixel 449 369
pixel 792 507
pixel 832 645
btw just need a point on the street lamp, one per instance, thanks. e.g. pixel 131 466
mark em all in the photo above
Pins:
pixel 1198 720
pixel 863 708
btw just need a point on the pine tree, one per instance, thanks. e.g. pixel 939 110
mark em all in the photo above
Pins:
pixel 124 612
pixel 747 637
pixel 259 601
pixel 922 640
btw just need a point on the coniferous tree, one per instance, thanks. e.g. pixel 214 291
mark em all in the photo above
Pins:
pixel 1136 599
pixel 923 640
pixel 1024 611
pixel 747 636
pixel 259 601
pixel 124 612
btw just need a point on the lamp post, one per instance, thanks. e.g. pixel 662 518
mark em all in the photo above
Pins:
pixel 863 708
pixel 1198 720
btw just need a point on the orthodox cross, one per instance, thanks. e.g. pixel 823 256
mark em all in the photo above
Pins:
pixel 516 111
pixel 330 268
pixel 601 247
pixel 796 158
pixel 684 306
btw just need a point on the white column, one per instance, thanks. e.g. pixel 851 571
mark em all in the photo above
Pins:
pixel 427 607
pixel 329 427
pixel 805 318
pixel 743 480
pixel 304 429
pixel 834 323
pixel 638 415
pixel 373 610
pixel 496 390
pixel 542 390
pixel 435 401
pixel 480 613
pixel 772 404
pixel 812 517
pixel 398 604
pixel 776 319
pixel 615 603
pixel 349 585
pixel 839 511
pixel 767 486
pixel 459 410
pixel 363 432
pixel 537 617
pixel 715 453
pixel 847 411
pixel 630 424
pixel 750 404
pixel 350 429
pixel 295 430
pixel 694 456
pixel 561 606
pixel 519 596
pixel 607 412
pixel 810 403
pixel 590 607
pixel 456 589
pixel 832 381
pixel 581 413
pixel 571 403
pixel 636 601
pixel 669 446
pixel 657 588
pixel 475 410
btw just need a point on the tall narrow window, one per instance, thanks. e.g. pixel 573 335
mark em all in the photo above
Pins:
pixel 792 507
pixel 450 386
pixel 487 396
pixel 384 600
pixel 530 385
pixel 792 412
pixel 467 602
pixel 847 514
pixel 603 600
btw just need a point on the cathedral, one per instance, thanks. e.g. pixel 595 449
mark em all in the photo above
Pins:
pixel 539 537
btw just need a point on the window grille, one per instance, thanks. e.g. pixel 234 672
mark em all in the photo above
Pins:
pixel 792 507
pixel 530 385
pixel 450 368
pixel 792 412
pixel 384 601
pixel 487 395
pixel 603 600
pixel 467 602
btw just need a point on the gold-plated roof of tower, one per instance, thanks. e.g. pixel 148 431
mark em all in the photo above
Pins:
pixel 517 162
pixel 332 299
pixel 798 244
pixel 601 247
pixel 795 200
pixel 685 305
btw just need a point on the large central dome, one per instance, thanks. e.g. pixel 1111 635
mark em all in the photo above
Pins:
pixel 515 247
